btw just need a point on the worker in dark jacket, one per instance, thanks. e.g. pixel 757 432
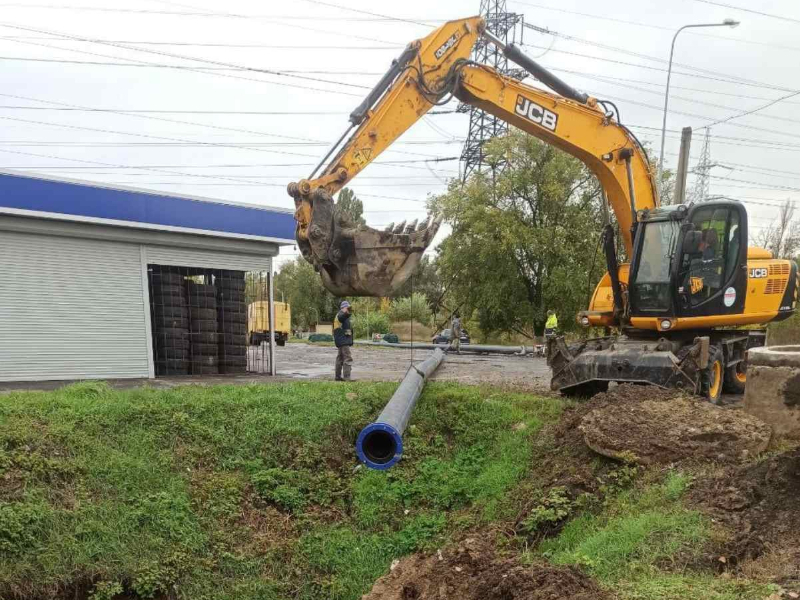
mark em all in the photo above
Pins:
pixel 343 336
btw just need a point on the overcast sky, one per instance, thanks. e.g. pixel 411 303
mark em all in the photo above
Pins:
pixel 212 128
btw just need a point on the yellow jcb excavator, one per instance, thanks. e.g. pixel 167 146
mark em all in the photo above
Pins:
pixel 691 277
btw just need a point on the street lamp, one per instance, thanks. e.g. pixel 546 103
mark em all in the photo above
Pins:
pixel 726 23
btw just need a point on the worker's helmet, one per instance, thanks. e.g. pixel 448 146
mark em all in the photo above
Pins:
pixel 550 313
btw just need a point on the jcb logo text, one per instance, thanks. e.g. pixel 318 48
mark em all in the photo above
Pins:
pixel 533 112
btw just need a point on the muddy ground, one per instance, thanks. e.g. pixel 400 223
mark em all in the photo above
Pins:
pixel 316 362
pixel 371 363
pixel 472 570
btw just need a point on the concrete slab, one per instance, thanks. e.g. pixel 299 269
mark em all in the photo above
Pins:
pixel 773 388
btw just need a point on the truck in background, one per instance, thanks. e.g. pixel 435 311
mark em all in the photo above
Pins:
pixel 258 322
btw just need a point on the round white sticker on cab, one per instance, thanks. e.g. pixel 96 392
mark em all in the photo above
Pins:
pixel 730 296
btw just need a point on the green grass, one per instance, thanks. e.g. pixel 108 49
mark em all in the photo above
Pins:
pixel 242 491
pixel 642 545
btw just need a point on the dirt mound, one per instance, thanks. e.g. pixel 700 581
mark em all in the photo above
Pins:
pixel 654 426
pixel 473 571
pixel 757 504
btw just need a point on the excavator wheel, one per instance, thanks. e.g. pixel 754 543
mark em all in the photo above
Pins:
pixel 714 375
pixel 735 378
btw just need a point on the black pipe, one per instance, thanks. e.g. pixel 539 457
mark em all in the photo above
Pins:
pixel 546 77
pixel 380 444
pixel 398 66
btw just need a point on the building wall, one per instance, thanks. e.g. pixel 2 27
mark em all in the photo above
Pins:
pixel 74 300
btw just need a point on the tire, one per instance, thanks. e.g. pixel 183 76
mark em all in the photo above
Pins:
pixel 232 306
pixel 197 290
pixel 735 378
pixel 168 372
pixel 232 351
pixel 232 328
pixel 161 323
pixel 172 342
pixel 172 353
pixel 166 278
pixel 229 370
pixel 225 283
pixel 168 290
pixel 203 326
pixel 232 339
pixel 234 294
pixel 157 301
pixel 203 314
pixel 204 350
pixel 173 332
pixel 202 302
pixel 233 362
pixel 204 361
pixel 224 319
pixel 713 376
pixel 204 337
pixel 172 363
pixel 170 311
pixel 281 342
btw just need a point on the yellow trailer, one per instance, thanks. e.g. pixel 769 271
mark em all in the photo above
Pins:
pixel 258 322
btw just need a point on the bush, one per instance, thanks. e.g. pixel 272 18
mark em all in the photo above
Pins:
pixel 414 307
pixel 364 325
pixel 391 338
pixel 320 337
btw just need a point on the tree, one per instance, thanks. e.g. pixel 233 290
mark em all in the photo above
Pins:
pixel 349 209
pixel 424 280
pixel 525 243
pixel 782 236
pixel 302 288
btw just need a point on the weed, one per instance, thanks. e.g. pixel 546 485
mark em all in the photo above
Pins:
pixel 238 492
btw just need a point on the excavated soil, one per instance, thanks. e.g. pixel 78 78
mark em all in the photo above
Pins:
pixel 647 425
pixel 758 505
pixel 473 571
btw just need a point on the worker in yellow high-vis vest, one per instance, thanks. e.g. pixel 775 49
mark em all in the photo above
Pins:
pixel 551 325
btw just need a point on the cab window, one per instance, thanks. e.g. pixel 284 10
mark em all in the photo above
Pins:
pixel 707 267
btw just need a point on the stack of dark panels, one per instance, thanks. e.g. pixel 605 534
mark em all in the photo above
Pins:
pixel 170 323
pixel 232 321
pixel 204 339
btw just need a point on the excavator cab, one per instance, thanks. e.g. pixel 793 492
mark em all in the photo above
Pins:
pixel 688 263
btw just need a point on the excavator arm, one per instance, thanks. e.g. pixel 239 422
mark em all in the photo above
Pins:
pixel 363 261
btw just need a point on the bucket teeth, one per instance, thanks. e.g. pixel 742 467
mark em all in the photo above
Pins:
pixel 411 226
pixel 389 228
pixel 400 228
pixel 424 224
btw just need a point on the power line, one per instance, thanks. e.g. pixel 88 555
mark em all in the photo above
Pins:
pixel 625 51
pixel 749 10
pixel 366 12
pixel 659 27
pixel 754 110
pixel 376 18
pixel 270 20
pixel 189 58
pixel 651 68
pixel 215 44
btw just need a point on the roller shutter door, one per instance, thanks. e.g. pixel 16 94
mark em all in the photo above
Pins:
pixel 71 308
pixel 205 259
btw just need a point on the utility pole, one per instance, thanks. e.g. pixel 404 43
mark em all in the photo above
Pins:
pixel 482 126
pixel 683 166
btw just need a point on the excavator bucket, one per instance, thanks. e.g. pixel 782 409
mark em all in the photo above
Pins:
pixel 356 260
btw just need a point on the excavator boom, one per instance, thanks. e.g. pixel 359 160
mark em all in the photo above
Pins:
pixel 363 261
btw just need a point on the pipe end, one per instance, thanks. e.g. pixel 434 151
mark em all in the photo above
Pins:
pixel 379 446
